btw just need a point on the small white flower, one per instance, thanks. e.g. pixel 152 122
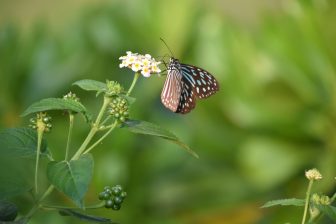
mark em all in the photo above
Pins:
pixel 146 71
pixel 313 174
pixel 123 64
pixel 131 59
pixel 136 66
pixel 155 68
pixel 145 62
pixel 137 62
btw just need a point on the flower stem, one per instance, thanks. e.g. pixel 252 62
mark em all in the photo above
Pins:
pixel 71 121
pixel 55 207
pixel 102 138
pixel 93 130
pixel 37 205
pixel 333 198
pixel 307 201
pixel 136 76
pixel 38 150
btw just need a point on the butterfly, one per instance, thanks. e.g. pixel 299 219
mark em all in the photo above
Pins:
pixel 184 85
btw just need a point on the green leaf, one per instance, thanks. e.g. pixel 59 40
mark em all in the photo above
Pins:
pixel 19 221
pixel 146 128
pixel 85 217
pixel 285 202
pixel 72 177
pixel 8 211
pixel 329 210
pixel 18 152
pixel 20 142
pixel 91 85
pixel 56 104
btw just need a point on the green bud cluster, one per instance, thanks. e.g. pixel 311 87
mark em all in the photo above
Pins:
pixel 119 109
pixel 113 88
pixel 320 199
pixel 41 117
pixel 71 96
pixel 113 197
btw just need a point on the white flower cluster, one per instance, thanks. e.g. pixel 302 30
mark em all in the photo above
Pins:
pixel 137 62
pixel 313 174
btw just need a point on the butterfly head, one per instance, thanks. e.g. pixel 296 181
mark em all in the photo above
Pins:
pixel 174 64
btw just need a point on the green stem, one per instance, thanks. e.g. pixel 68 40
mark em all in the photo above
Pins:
pixel 56 207
pixel 307 201
pixel 71 121
pixel 136 76
pixel 333 198
pixel 93 130
pixel 37 205
pixel 102 138
pixel 38 150
pixel 105 120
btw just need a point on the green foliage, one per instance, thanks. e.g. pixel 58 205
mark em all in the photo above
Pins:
pixel 329 210
pixel 147 128
pixel 91 85
pixel 57 104
pixel 285 202
pixel 20 142
pixel 274 115
pixel 84 217
pixel 8 211
pixel 18 147
pixel 72 177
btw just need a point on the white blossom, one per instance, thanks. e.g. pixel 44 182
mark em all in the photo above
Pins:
pixel 313 174
pixel 137 62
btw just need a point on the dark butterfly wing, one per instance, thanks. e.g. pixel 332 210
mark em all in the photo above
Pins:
pixel 202 82
pixel 171 92
pixel 184 84
pixel 196 83
pixel 187 100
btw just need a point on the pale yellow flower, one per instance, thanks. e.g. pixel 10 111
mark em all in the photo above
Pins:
pixel 313 174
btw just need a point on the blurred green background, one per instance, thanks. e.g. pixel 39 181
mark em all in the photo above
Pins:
pixel 274 117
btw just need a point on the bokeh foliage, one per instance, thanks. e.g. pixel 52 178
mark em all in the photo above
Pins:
pixel 273 118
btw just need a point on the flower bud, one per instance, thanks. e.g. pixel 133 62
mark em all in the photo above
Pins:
pixel 313 174
pixel 113 88
pixel 71 96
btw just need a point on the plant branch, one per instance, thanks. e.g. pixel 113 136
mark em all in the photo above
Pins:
pixel 93 130
pixel 136 76
pixel 56 207
pixel 102 138
pixel 38 150
pixel 71 121
pixel 37 205
pixel 307 201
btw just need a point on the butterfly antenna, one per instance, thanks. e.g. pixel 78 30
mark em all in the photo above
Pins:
pixel 167 46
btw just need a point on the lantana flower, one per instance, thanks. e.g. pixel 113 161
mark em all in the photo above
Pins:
pixel 143 63
pixel 313 174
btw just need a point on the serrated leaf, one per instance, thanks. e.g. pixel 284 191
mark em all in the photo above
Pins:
pixel 57 104
pixel 91 85
pixel 18 152
pixel 146 128
pixel 285 202
pixel 20 142
pixel 72 177
pixel 329 210
pixel 85 217
pixel 8 211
